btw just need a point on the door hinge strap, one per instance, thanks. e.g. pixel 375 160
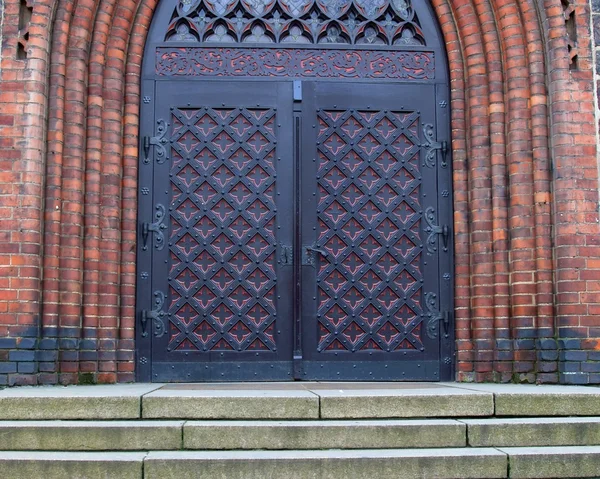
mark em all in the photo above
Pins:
pixel 433 146
pixel 158 141
pixel 156 315
pixel 157 228
pixel 433 230
pixel 436 316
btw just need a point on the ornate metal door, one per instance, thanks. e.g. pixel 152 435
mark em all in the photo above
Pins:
pixel 370 233
pixel 295 193
pixel 217 241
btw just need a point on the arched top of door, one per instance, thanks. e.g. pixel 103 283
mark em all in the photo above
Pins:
pixel 184 31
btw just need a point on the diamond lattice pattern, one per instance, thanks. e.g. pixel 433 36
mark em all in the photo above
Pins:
pixel 222 244
pixel 369 213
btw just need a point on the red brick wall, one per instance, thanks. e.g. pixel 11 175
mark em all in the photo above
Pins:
pixel 525 188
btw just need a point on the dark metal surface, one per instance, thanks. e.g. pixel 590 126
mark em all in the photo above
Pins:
pixel 366 188
pixel 291 228
pixel 227 180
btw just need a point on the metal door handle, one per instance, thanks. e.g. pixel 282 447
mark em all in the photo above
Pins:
pixel 309 256
pixel 323 253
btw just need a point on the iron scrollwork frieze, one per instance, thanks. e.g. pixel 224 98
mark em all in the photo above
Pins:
pixel 156 315
pixel 433 146
pixel 308 63
pixel 433 230
pixel 157 228
pixel 159 141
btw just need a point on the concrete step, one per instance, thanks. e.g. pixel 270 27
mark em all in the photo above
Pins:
pixel 351 434
pixel 538 431
pixel 518 463
pixel 542 400
pixel 90 435
pixel 63 465
pixel 333 464
pixel 121 401
pixel 228 435
pixel 296 401
pixel 404 403
pixel 321 400
pixel 553 462
pixel 230 404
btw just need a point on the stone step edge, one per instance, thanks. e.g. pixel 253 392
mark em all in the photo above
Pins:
pixel 417 452
pixel 230 435
pixel 150 401
pixel 144 435
pixel 440 463
pixel 542 462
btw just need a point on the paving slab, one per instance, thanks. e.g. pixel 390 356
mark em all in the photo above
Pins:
pixel 404 403
pixel 90 435
pixel 456 463
pixel 62 465
pixel 539 431
pixel 120 401
pixel 230 404
pixel 350 434
pixel 542 400
pixel 553 462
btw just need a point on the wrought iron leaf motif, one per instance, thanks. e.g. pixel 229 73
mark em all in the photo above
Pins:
pixel 157 314
pixel 159 141
pixel 434 314
pixel 158 226
pixel 431 145
pixel 386 22
pixel 432 230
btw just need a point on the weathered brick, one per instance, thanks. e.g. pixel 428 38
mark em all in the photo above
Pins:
pixel 510 94
pixel 21 355
pixel 8 367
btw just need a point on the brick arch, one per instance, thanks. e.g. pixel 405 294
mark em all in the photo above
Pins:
pixel 509 70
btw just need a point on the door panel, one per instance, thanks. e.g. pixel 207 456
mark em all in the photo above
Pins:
pixel 224 196
pixel 368 268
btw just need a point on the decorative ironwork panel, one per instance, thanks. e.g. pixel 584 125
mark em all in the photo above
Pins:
pixel 303 63
pixel 333 22
pixel 222 241
pixel 369 225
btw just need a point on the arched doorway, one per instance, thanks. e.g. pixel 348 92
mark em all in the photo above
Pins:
pixel 295 193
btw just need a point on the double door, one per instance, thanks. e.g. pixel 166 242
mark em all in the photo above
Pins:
pixel 294 230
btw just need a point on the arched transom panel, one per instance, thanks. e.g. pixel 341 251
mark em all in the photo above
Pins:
pixel 354 22
pixel 378 39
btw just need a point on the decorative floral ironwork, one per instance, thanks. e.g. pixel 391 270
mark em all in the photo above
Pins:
pixel 259 62
pixel 434 314
pixel 432 145
pixel 222 274
pixel 369 214
pixel 385 22
pixel 155 315
pixel 432 230
pixel 159 141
